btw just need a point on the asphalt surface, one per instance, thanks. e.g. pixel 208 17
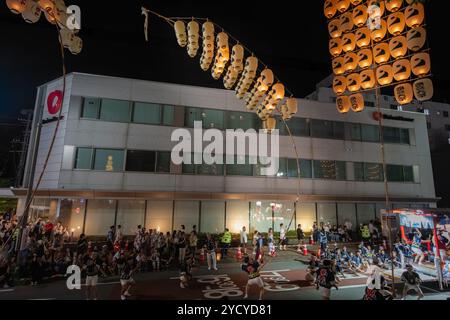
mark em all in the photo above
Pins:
pixel 283 277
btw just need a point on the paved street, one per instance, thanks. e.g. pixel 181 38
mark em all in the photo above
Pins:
pixel 283 275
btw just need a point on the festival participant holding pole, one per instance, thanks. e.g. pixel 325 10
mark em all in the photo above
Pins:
pixel 253 268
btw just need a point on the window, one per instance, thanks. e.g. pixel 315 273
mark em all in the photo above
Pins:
pixel 83 159
pixel 210 118
pixel 115 110
pixel 210 169
pixel 324 169
pixel 358 168
pixel 370 133
pixel 391 135
pixel 341 170
pixel 147 113
pixel 91 108
pixel 168 115
pixel 241 120
pixel 108 160
pixel 322 129
pixel 408 173
pixel 404 136
pixel 447 127
pixel 395 173
pixel 240 169
pixel 130 214
pixel 212 216
pixel 100 216
pixel 372 172
pixel 305 168
pixel 142 161
pixel 300 127
pixel 356 131
pixel 445 114
pixel 163 161
pixel 370 104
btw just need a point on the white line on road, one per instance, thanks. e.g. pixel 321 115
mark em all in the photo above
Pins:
pixel 6 290
pixel 103 283
pixel 354 286
pixel 43 299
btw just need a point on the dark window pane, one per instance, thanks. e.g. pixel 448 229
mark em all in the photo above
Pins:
pixel 358 168
pixel 210 118
pixel 306 169
pixel 341 170
pixel 292 168
pixel 324 169
pixel 404 136
pixel 241 120
pixel 115 110
pixel 212 170
pixel 373 172
pixel 240 169
pixel 143 161
pixel 322 129
pixel 338 130
pixel 109 160
pixel 148 113
pixel 370 133
pixel 391 135
pixel 163 161
pixel 83 159
pixel 300 127
pixel 395 173
pixel 91 106
pixel 356 131
pixel 168 115
pixel 408 173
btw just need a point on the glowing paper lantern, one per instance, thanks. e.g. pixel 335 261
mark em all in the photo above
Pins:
pixel 76 45
pixel 350 61
pixel 346 22
pixel 17 6
pixel 49 15
pixel 262 85
pixel 362 37
pixel 385 75
pixel 339 85
pixel 355 2
pixel 222 55
pixel 416 38
pixel 398 47
pixel 404 93
pixel 338 65
pixel 60 12
pixel 33 12
pixel 180 32
pixel 367 79
pixel 348 42
pixel 342 5
pixel 353 82
pixel 329 9
pixel 402 69
pixel 381 53
pixel 275 95
pixel 365 58
pixel 230 78
pixel 335 46
pixel 396 23
pixel 193 29
pixel 208 45
pixel 46 5
pixel 414 15
pixel 343 104
pixel 393 5
pixel 423 89
pixel 334 28
pixel 379 34
pixel 420 64
pixel 67 37
pixel 289 108
pixel 237 58
pixel 250 68
pixel 360 15
pixel 270 124
pixel 357 102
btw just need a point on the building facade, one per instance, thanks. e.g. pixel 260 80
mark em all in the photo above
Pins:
pixel 111 162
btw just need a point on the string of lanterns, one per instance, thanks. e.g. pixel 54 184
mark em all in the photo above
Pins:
pixel 251 80
pixel 55 11
pixel 376 44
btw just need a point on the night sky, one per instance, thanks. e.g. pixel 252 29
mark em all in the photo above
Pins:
pixel 292 39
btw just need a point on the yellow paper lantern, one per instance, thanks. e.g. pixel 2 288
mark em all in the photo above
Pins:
pixel 46 5
pixel 381 53
pixel 404 93
pixel 416 38
pixel 353 82
pixel 338 65
pixel 33 12
pixel 60 13
pixel 379 34
pixel 385 75
pixel 350 61
pixel 76 45
pixel 334 28
pixel 375 8
pixel 17 6
pixel 365 58
pixel 339 85
pixel 346 22
pixel 180 33
pixel 335 46
pixel 348 42
pixel 356 2
pixel 289 108
pixel 342 5
pixel 329 9
pixel 49 15
pixel 414 15
pixel 398 47
pixel 208 45
pixel 193 29
pixel 362 37
pixel 237 58
pixel 67 37
pixel 423 89
pixel 270 124
pixel 343 104
pixel 420 64
pixel 393 5
pixel 396 23
pixel 360 15
pixel 402 70
pixel 357 102
pixel 367 79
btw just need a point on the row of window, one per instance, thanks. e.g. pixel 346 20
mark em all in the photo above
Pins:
pixel 158 114
pixel 159 161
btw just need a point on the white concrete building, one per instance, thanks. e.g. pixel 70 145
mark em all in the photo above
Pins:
pixel 111 162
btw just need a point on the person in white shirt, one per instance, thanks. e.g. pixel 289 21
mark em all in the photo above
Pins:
pixel 283 240
pixel 244 238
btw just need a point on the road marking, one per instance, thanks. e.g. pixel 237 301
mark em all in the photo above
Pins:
pixel 354 286
pixel 103 283
pixel 42 299
pixel 436 291
pixel 6 290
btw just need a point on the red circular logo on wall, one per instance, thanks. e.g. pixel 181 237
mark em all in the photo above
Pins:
pixel 54 101
pixel 377 116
